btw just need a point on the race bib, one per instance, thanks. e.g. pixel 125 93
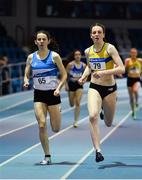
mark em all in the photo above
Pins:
pixel 134 70
pixel 75 74
pixel 45 83
pixel 98 65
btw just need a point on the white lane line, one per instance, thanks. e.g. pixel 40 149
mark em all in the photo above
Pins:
pixel 19 103
pixel 66 175
pixel 18 129
pixel 25 112
pixel 124 155
pixel 15 94
pixel 29 111
pixel 16 115
pixel 30 99
pixel 23 101
pixel 35 122
pixel 36 145
pixel 16 104
pixel 77 155
pixel 25 93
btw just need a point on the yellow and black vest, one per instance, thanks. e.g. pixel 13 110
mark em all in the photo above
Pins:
pixel 134 67
pixel 100 60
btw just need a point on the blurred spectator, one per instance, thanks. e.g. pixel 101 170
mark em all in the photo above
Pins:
pixel 3 31
pixel 4 74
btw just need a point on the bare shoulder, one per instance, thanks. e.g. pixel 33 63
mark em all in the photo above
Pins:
pixel 29 58
pixel 70 64
pixel 87 51
pixel 55 54
pixel 111 47
pixel 140 59
pixel 56 57
pixel 112 51
pixel 127 59
pixel 84 65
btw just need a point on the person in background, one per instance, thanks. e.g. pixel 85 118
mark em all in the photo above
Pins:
pixel 133 66
pixel 75 70
pixel 46 65
pixel 3 31
pixel 5 77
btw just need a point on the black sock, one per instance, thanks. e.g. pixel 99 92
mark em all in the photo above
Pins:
pixel 48 155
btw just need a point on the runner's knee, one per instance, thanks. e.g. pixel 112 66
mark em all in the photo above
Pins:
pixel 42 124
pixel 77 103
pixel 93 119
pixel 55 129
pixel 108 123
pixel 71 103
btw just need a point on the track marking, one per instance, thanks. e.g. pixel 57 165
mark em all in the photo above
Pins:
pixel 25 112
pixel 35 122
pixel 65 176
pixel 16 115
pixel 77 155
pixel 16 104
pixel 19 103
pixel 36 145
pixel 29 111
pixel 16 94
pixel 30 99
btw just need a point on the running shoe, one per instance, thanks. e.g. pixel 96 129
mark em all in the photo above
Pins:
pixel 134 115
pixel 46 161
pixel 136 106
pixel 75 124
pixel 99 157
pixel 101 115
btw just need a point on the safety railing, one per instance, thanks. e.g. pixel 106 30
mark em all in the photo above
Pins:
pixel 11 78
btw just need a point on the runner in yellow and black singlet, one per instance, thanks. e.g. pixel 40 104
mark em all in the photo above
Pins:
pixel 133 66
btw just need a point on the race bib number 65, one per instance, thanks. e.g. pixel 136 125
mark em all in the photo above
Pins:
pixel 42 80
pixel 45 83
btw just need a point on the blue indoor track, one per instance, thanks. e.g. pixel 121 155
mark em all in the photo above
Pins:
pixel 72 152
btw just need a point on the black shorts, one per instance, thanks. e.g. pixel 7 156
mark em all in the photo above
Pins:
pixel 132 81
pixel 103 90
pixel 74 85
pixel 46 97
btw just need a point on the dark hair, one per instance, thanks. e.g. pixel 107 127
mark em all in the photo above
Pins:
pixel 98 24
pixel 102 26
pixel 70 57
pixel 53 46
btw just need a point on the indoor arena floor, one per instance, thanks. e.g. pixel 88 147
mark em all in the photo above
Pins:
pixel 72 153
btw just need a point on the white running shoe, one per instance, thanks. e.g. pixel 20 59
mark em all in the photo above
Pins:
pixel 134 115
pixel 75 124
pixel 46 161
